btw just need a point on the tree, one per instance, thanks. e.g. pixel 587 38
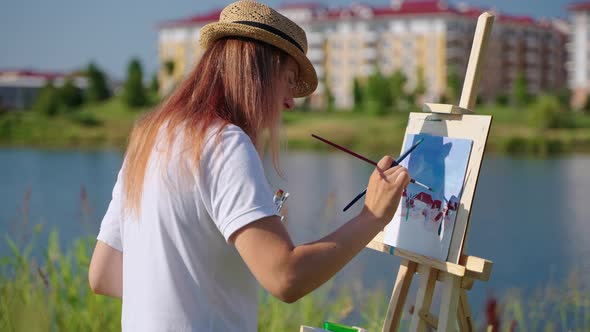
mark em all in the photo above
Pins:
pixel 168 82
pixel 153 94
pixel 330 107
pixel 420 88
pixel 134 91
pixel 70 95
pixel 97 87
pixel 564 95
pixel 520 93
pixel 3 108
pixel 502 100
pixel 379 95
pixel 453 86
pixel 155 85
pixel 169 67
pixel 47 102
pixel 397 83
pixel 306 104
pixel 586 106
pixel 357 92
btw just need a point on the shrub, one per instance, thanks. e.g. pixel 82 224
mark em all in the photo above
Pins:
pixel 536 146
pixel 375 107
pixel 47 102
pixel 86 119
pixel 546 113
pixel 70 95
pixel 502 100
pixel 513 145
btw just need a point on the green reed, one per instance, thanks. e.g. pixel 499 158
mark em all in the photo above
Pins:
pixel 50 292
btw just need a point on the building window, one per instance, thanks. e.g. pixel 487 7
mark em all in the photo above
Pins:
pixel 336 45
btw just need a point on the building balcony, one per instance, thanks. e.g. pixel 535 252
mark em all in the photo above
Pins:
pixel 370 36
pixel 453 52
pixel 511 41
pixel 455 35
pixel 315 55
pixel 319 70
pixel 511 57
pixel 369 54
pixel 530 41
pixel 315 38
pixel 366 69
pixel 532 58
pixel 533 75
pixel 320 89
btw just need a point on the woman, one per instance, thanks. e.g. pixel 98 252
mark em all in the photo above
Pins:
pixel 192 225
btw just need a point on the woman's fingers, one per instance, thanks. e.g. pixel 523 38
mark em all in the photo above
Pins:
pixel 385 189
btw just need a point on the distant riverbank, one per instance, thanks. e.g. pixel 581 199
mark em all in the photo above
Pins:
pixel 107 125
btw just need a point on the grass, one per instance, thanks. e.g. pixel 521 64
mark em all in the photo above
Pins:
pixel 93 126
pixel 512 132
pixel 107 125
pixel 563 307
pixel 52 294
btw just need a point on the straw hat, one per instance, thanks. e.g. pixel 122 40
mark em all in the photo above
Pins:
pixel 254 20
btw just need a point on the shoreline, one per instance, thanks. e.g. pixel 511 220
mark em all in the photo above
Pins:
pixel 554 148
pixel 107 126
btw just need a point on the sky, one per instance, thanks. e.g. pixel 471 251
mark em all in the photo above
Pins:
pixel 65 35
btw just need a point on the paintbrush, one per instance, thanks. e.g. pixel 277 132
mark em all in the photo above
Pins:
pixel 395 163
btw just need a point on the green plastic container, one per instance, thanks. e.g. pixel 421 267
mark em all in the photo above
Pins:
pixel 338 327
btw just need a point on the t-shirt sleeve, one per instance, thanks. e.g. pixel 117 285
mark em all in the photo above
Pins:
pixel 232 182
pixel 110 227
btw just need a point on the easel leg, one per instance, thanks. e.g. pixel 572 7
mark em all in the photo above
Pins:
pixel 464 313
pixel 398 297
pixel 424 297
pixel 449 304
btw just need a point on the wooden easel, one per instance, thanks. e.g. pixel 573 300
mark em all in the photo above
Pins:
pixel 459 272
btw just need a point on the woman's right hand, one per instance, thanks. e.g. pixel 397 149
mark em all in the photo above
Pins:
pixel 385 190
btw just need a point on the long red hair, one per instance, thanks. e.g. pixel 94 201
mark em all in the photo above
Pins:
pixel 231 84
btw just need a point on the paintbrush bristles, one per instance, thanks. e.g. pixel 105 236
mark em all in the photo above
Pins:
pixel 421 185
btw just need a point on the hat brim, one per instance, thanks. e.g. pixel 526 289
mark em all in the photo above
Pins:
pixel 307 79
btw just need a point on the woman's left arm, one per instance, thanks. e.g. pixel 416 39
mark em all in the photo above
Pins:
pixel 105 274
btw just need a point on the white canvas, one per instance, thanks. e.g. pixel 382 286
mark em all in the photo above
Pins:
pixel 424 220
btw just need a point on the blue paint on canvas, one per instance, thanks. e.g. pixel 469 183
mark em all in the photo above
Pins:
pixel 424 220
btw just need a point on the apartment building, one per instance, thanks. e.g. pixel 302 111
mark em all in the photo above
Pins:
pixel 579 50
pixel 425 39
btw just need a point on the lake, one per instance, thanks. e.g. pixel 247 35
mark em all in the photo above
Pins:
pixel 530 216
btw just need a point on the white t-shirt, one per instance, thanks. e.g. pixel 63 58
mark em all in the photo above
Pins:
pixel 179 272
